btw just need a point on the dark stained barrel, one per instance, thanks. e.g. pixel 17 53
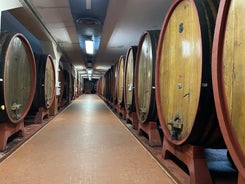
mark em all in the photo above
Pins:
pixel 183 74
pixel 228 74
pixel 120 81
pixel 108 86
pixel 68 87
pixel 61 85
pixel 129 79
pixel 103 86
pixel 45 87
pixel 145 77
pixel 17 77
pixel 100 86
pixel 113 75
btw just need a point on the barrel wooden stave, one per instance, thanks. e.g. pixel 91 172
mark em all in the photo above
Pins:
pixel 228 78
pixel 18 74
pixel 183 75
pixel 145 78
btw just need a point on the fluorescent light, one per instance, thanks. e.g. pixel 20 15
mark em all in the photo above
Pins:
pixel 89 44
pixel 89 71
pixel 88 4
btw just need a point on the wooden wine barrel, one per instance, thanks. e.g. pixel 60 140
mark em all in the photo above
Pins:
pixel 62 85
pixel 17 77
pixel 113 84
pixel 183 74
pixel 120 80
pixel 108 85
pixel 228 74
pixel 129 79
pixel 45 87
pixel 145 77
pixel 103 86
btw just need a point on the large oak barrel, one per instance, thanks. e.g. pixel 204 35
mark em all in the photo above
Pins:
pixel 228 73
pixel 107 85
pixel 145 77
pixel 113 85
pixel 61 81
pixel 129 79
pixel 120 81
pixel 45 87
pixel 17 77
pixel 183 74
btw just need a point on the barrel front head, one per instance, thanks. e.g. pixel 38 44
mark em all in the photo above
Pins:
pixel 120 81
pixel 183 73
pixel 228 74
pixel 129 79
pixel 145 76
pixel 18 77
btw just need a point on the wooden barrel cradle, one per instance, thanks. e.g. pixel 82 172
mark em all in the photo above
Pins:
pixel 228 74
pixel 45 88
pixel 145 77
pixel 129 79
pixel 120 81
pixel 183 74
pixel 17 77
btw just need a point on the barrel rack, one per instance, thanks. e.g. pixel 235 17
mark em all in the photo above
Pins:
pixel 8 129
pixel 192 157
pixel 120 110
pixel 41 114
pixel 133 119
pixel 150 128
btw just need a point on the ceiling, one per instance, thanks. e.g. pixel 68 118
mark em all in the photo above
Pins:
pixel 118 24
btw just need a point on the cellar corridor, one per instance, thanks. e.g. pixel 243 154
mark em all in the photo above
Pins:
pixel 85 143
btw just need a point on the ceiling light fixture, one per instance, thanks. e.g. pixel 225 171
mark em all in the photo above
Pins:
pixel 89 71
pixel 88 4
pixel 89 44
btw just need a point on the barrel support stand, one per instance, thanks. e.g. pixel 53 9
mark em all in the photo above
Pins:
pixel 8 129
pixel 192 157
pixel 132 117
pixel 241 179
pixel 114 106
pixel 151 129
pixel 121 111
pixel 40 115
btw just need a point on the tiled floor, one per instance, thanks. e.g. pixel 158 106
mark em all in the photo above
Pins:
pixel 85 144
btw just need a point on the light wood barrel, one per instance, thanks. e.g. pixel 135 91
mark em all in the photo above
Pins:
pixel 45 87
pixel 183 74
pixel 129 79
pixel 228 71
pixel 17 77
pixel 120 81
pixel 145 77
